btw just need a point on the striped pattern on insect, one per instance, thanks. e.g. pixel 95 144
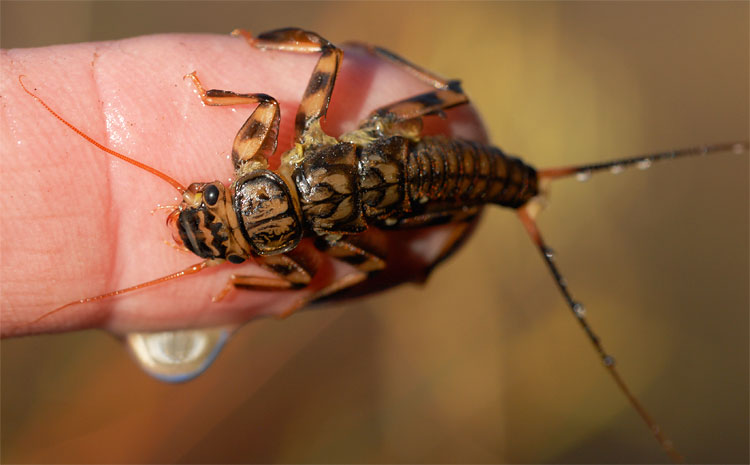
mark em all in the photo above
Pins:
pixel 343 195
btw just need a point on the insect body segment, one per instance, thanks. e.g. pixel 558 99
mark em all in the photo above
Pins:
pixel 269 218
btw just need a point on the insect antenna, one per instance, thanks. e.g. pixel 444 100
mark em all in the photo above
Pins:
pixel 187 271
pixel 582 172
pixel 140 165
pixel 526 215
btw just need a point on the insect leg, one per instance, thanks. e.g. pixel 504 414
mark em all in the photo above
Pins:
pixel 461 222
pixel 466 214
pixel 457 235
pixel 425 75
pixel 527 218
pixel 256 140
pixel 345 282
pixel 412 108
pixel 236 281
pixel 448 93
pixel 314 103
pixel 293 270
pixel 366 252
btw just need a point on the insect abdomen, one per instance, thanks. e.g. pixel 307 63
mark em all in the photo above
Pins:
pixel 462 172
pixel 344 187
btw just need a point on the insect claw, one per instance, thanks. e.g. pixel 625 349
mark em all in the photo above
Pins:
pixel 244 33
pixel 220 296
pixel 226 290
pixel 199 89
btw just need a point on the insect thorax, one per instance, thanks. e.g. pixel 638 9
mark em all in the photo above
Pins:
pixel 268 216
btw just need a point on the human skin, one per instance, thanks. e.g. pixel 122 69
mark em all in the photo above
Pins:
pixel 76 222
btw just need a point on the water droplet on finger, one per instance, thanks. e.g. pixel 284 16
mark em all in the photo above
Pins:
pixel 176 356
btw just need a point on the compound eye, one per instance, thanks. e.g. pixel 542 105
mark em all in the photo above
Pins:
pixel 211 195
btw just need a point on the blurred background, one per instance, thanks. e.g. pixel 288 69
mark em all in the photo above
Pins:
pixel 484 363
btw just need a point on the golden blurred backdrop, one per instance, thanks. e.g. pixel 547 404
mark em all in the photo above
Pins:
pixel 484 363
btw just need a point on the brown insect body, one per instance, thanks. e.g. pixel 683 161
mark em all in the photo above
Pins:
pixel 344 192
pixel 391 182
pixel 396 182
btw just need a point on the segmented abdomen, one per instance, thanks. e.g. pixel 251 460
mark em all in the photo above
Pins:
pixel 454 170
pixel 396 182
